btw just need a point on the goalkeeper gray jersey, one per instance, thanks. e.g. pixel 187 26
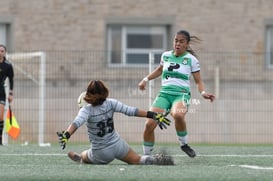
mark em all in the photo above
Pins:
pixel 100 123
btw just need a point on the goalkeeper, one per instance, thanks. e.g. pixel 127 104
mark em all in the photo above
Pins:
pixel 106 144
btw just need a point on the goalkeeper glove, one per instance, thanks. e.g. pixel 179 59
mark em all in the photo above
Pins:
pixel 160 118
pixel 63 138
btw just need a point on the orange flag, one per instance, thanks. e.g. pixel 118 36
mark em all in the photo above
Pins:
pixel 11 126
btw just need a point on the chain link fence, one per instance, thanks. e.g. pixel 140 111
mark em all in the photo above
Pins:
pixel 242 112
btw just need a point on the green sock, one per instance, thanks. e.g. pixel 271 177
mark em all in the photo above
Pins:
pixel 148 147
pixel 182 137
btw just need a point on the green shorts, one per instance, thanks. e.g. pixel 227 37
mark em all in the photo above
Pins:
pixel 166 101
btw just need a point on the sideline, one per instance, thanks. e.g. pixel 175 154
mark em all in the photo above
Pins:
pixel 255 167
pixel 232 155
pixel 180 155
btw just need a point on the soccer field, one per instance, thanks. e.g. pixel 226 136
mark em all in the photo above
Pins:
pixel 213 163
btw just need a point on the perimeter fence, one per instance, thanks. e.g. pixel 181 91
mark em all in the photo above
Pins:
pixel 47 87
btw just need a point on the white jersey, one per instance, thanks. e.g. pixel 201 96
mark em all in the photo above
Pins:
pixel 100 123
pixel 177 71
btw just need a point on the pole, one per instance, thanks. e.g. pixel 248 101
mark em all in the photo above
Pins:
pixel 42 98
pixel 151 83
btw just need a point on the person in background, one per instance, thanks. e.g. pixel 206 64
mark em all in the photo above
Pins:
pixel 6 70
pixel 176 67
pixel 106 144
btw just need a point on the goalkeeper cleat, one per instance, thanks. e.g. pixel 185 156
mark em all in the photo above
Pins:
pixel 74 156
pixel 187 149
pixel 163 159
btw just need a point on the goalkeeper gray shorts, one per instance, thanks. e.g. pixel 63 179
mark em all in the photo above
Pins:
pixel 103 156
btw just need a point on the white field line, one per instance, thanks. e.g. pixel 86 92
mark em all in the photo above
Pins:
pixel 255 167
pixel 33 154
pixel 180 155
pixel 230 155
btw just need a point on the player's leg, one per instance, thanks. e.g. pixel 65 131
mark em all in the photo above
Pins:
pixel 106 155
pixel 148 134
pixel 178 112
pixel 160 159
pixel 75 156
pixel 80 158
pixel 132 157
pixel 84 157
pixel 102 156
pixel 2 109
pixel 161 104
pixel 124 153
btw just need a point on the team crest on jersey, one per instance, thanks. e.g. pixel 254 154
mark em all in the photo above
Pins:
pixel 185 61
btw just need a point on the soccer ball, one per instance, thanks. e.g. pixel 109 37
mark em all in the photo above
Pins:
pixel 81 101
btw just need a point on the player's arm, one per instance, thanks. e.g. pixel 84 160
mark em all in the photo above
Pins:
pixel 71 129
pixel 156 73
pixel 10 77
pixel 65 135
pixel 78 121
pixel 160 118
pixel 200 86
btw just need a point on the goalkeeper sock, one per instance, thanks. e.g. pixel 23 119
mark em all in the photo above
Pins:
pixel 182 137
pixel 146 160
pixel 1 130
pixel 148 147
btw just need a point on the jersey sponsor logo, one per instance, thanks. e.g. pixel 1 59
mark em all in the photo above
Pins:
pixel 174 74
pixel 169 74
pixel 173 66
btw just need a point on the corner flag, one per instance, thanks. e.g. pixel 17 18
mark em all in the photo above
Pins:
pixel 11 125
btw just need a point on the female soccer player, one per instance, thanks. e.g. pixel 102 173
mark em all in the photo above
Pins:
pixel 6 70
pixel 106 144
pixel 176 67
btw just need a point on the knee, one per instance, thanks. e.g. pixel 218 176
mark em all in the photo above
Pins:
pixel 85 157
pixel 178 116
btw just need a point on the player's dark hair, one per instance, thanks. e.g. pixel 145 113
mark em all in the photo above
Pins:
pixel 96 92
pixel 189 39
pixel 1 45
